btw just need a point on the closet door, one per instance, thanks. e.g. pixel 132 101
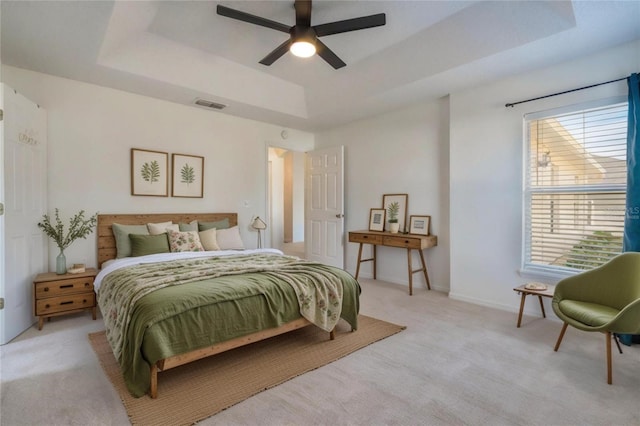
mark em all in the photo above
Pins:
pixel 25 201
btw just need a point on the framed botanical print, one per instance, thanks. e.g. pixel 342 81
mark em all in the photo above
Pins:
pixel 420 225
pixel 188 176
pixel 149 173
pixel 399 210
pixel 376 219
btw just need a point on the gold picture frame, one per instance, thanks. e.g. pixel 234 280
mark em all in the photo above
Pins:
pixel 149 173
pixel 188 176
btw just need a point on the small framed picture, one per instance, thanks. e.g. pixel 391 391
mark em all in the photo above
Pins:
pixel 420 225
pixel 188 176
pixel 376 219
pixel 149 173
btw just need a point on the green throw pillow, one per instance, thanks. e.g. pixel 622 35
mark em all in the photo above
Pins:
pixel 142 245
pixel 221 224
pixel 121 234
pixel 191 226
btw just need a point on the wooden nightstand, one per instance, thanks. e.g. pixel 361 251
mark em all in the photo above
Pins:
pixel 55 294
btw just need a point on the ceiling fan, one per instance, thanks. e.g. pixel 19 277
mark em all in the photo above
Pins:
pixel 303 38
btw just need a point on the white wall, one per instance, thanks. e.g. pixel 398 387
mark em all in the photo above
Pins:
pixel 458 158
pixel 405 151
pixel 298 196
pixel 460 161
pixel 487 167
pixel 92 129
pixel 275 229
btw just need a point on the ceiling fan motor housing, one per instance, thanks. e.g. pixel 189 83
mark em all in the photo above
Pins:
pixel 307 34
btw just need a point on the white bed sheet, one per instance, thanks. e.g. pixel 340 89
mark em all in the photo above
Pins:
pixel 112 265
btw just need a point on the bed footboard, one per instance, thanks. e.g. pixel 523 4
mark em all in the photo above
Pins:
pixel 177 360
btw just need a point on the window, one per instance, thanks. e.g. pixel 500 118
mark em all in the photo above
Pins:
pixel 574 188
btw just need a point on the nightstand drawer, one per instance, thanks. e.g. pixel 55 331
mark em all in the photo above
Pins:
pixel 62 287
pixel 401 241
pixel 52 305
pixel 365 238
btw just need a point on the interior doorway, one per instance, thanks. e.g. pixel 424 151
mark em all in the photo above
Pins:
pixel 286 200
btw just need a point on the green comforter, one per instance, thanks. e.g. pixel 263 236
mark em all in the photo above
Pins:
pixel 200 302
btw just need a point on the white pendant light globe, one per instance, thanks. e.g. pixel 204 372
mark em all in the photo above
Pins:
pixel 303 49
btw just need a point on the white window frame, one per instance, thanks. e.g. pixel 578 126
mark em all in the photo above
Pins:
pixel 551 272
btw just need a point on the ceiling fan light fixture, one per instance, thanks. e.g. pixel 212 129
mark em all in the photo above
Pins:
pixel 303 49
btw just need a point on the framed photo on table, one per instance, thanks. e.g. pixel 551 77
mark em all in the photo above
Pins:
pixel 188 176
pixel 149 173
pixel 402 200
pixel 420 225
pixel 376 219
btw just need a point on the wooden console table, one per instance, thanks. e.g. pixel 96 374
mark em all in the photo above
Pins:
pixel 408 241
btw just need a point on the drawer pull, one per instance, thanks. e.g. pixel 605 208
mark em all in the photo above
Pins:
pixel 87 284
pixel 67 303
pixel 47 306
pixel 46 289
pixel 67 286
pixel 84 300
pixel 406 241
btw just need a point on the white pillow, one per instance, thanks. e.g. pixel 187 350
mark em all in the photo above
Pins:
pixel 160 228
pixel 209 239
pixel 229 239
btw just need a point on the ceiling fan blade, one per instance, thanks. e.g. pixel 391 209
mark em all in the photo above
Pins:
pixel 252 19
pixel 350 25
pixel 303 12
pixel 327 54
pixel 276 53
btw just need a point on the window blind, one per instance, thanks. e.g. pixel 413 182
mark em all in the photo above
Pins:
pixel 575 188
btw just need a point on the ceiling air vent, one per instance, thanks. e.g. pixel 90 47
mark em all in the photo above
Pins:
pixel 209 104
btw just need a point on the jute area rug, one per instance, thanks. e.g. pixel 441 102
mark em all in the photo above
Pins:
pixel 198 390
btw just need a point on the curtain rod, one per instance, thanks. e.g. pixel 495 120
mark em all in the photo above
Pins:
pixel 562 93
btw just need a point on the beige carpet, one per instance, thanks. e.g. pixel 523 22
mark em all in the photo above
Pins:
pixel 203 388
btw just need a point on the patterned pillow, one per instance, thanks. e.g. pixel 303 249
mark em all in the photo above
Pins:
pixel 184 241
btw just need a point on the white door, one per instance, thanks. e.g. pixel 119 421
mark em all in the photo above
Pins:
pixel 324 214
pixel 25 201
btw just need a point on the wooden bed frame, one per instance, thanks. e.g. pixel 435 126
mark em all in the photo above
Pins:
pixel 107 251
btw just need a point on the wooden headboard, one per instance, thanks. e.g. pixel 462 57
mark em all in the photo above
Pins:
pixel 107 242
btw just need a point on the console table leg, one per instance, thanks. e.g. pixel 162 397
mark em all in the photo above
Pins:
pixel 359 260
pixel 424 268
pixel 410 272
pixel 375 264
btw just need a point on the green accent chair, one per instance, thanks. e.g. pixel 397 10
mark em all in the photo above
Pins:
pixel 605 299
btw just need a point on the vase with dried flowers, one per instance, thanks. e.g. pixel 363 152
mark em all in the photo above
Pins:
pixel 79 227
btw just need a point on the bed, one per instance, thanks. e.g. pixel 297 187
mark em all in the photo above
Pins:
pixel 188 306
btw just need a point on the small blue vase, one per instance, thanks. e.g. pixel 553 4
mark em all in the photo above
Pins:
pixel 61 264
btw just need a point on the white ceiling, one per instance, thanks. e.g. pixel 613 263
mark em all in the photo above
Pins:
pixel 183 50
